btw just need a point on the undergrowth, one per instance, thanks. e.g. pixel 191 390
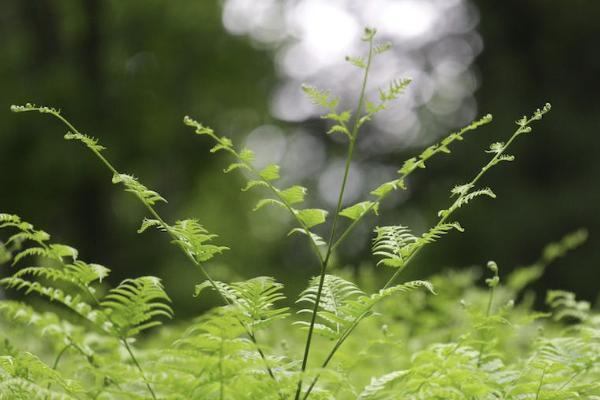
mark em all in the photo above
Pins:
pixel 446 338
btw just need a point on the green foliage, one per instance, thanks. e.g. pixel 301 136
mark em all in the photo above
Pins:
pixel 254 300
pixel 133 305
pixel 462 341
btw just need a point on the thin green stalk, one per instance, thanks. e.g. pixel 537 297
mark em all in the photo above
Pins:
pixel 221 383
pixel 522 129
pixel 487 314
pixel 352 138
pixel 57 360
pixel 539 389
pixel 166 227
pixel 139 367
pixel 60 354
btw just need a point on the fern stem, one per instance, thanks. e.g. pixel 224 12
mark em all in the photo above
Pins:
pixel 539 389
pixel 60 354
pixel 221 383
pixel 393 278
pixel 166 227
pixel 57 360
pixel 139 367
pixel 352 140
pixel 487 314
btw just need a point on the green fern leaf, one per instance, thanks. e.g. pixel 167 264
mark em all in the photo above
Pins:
pixel 254 299
pixel 294 194
pixel 270 172
pixel 358 210
pixel 311 216
pixel 90 142
pixel 132 185
pixel 133 305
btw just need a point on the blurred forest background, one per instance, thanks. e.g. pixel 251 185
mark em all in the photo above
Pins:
pixel 127 72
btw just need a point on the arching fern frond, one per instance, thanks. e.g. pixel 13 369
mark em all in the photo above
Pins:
pixel 53 251
pixel 378 385
pixel 188 234
pixel 79 273
pixel 132 185
pixel 133 305
pixel 27 365
pixel 364 304
pixel 74 302
pixel 392 244
pixel 25 231
pixel 465 196
pixel 90 142
pixel 409 166
pixel 287 198
pixel 565 306
pixel 331 316
pixel 343 303
pixel 395 244
pixel 254 299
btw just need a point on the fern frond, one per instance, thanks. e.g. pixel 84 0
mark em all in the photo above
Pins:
pixel 270 172
pixel 378 385
pixel 255 299
pixel 79 273
pixel 25 231
pixel 361 306
pixel 359 62
pixel 565 306
pixel 132 185
pixel 29 367
pixel 192 237
pixel 393 244
pixel 358 210
pixel 32 107
pixel 381 48
pixel 396 87
pixel 294 194
pixel 90 142
pixel 317 240
pixel 321 97
pixel 46 324
pixel 74 303
pixel 284 198
pixel 331 314
pixel 54 251
pixel 133 305
pixel 465 197
pixel 311 216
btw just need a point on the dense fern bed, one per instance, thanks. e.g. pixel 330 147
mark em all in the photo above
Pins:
pixel 471 334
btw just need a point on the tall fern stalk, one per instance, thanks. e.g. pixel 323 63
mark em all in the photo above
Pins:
pixel 95 149
pixel 211 358
pixel 352 139
pixel 523 127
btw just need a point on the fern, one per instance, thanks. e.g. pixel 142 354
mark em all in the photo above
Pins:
pixel 285 198
pixel 342 303
pixel 132 185
pixel 395 244
pixel 192 237
pixel 255 299
pixel 336 292
pixel 379 384
pixel 392 341
pixel 133 305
